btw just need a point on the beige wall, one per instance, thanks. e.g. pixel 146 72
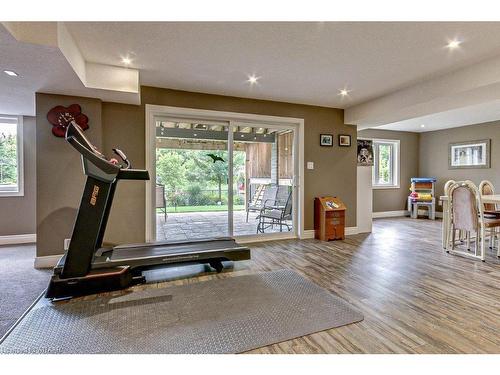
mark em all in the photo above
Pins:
pixel 395 199
pixel 60 180
pixel 18 213
pixel 59 176
pixel 434 154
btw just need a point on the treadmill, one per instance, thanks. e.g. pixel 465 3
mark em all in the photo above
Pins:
pixel 87 267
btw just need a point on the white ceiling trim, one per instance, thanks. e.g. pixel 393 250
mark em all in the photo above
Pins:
pixel 467 87
pixel 476 114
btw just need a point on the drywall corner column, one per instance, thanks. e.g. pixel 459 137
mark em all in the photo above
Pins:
pixel 59 176
pixel 364 196
pixel 123 128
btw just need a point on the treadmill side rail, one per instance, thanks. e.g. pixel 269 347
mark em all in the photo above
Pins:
pixel 95 282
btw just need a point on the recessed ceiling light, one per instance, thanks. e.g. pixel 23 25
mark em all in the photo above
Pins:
pixel 252 79
pixel 11 73
pixel 126 60
pixel 453 44
pixel 422 126
pixel 343 92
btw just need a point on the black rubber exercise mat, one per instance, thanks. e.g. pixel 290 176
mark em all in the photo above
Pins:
pixel 230 315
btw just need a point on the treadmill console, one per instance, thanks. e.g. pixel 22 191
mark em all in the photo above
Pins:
pixel 95 162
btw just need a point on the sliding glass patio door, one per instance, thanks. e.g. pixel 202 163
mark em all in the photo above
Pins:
pixel 263 179
pixel 223 178
pixel 192 174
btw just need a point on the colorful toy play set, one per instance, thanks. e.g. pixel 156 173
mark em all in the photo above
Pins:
pixel 422 195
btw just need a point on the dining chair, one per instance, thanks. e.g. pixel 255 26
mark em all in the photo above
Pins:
pixel 466 213
pixel 487 188
pixel 490 209
pixel 446 225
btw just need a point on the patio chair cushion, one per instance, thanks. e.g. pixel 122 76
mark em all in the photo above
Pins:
pixel 272 214
pixel 268 195
pixel 254 206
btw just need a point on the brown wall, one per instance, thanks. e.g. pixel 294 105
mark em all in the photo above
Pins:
pixel 434 154
pixel 59 174
pixel 395 199
pixel 124 127
pixel 18 213
pixel 60 179
pixel 334 167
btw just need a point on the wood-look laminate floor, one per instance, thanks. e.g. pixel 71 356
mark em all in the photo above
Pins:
pixel 415 298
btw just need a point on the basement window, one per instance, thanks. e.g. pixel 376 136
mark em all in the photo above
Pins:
pixel 386 164
pixel 11 156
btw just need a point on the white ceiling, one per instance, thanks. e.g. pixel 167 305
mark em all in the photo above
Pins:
pixel 298 62
pixel 41 69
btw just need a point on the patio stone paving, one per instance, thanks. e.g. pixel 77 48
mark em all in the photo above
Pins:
pixel 186 226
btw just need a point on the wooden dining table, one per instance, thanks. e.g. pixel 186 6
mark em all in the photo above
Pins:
pixel 443 200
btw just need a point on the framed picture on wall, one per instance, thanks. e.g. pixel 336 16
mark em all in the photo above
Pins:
pixel 326 140
pixel 470 154
pixel 365 152
pixel 344 140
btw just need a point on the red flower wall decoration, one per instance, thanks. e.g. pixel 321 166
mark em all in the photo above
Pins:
pixel 60 117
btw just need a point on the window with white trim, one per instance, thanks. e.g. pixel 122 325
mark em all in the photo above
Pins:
pixel 386 163
pixel 11 156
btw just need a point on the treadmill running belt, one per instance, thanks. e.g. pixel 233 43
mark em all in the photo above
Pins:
pixel 174 248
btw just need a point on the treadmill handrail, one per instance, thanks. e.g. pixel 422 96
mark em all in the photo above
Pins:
pixel 99 162
pixel 77 139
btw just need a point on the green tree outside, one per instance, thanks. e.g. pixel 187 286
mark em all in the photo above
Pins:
pixel 8 159
pixel 189 174
pixel 384 163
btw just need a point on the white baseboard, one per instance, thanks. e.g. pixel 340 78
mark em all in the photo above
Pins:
pixel 265 237
pixel 424 213
pixel 349 231
pixel 308 233
pixel 378 215
pixel 47 261
pixel 17 239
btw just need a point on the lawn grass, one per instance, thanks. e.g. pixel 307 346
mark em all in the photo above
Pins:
pixel 213 208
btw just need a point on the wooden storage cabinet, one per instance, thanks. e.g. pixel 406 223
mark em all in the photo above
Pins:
pixel 329 219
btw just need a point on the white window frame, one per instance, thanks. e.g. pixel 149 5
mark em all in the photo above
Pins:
pixel 396 162
pixel 20 158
